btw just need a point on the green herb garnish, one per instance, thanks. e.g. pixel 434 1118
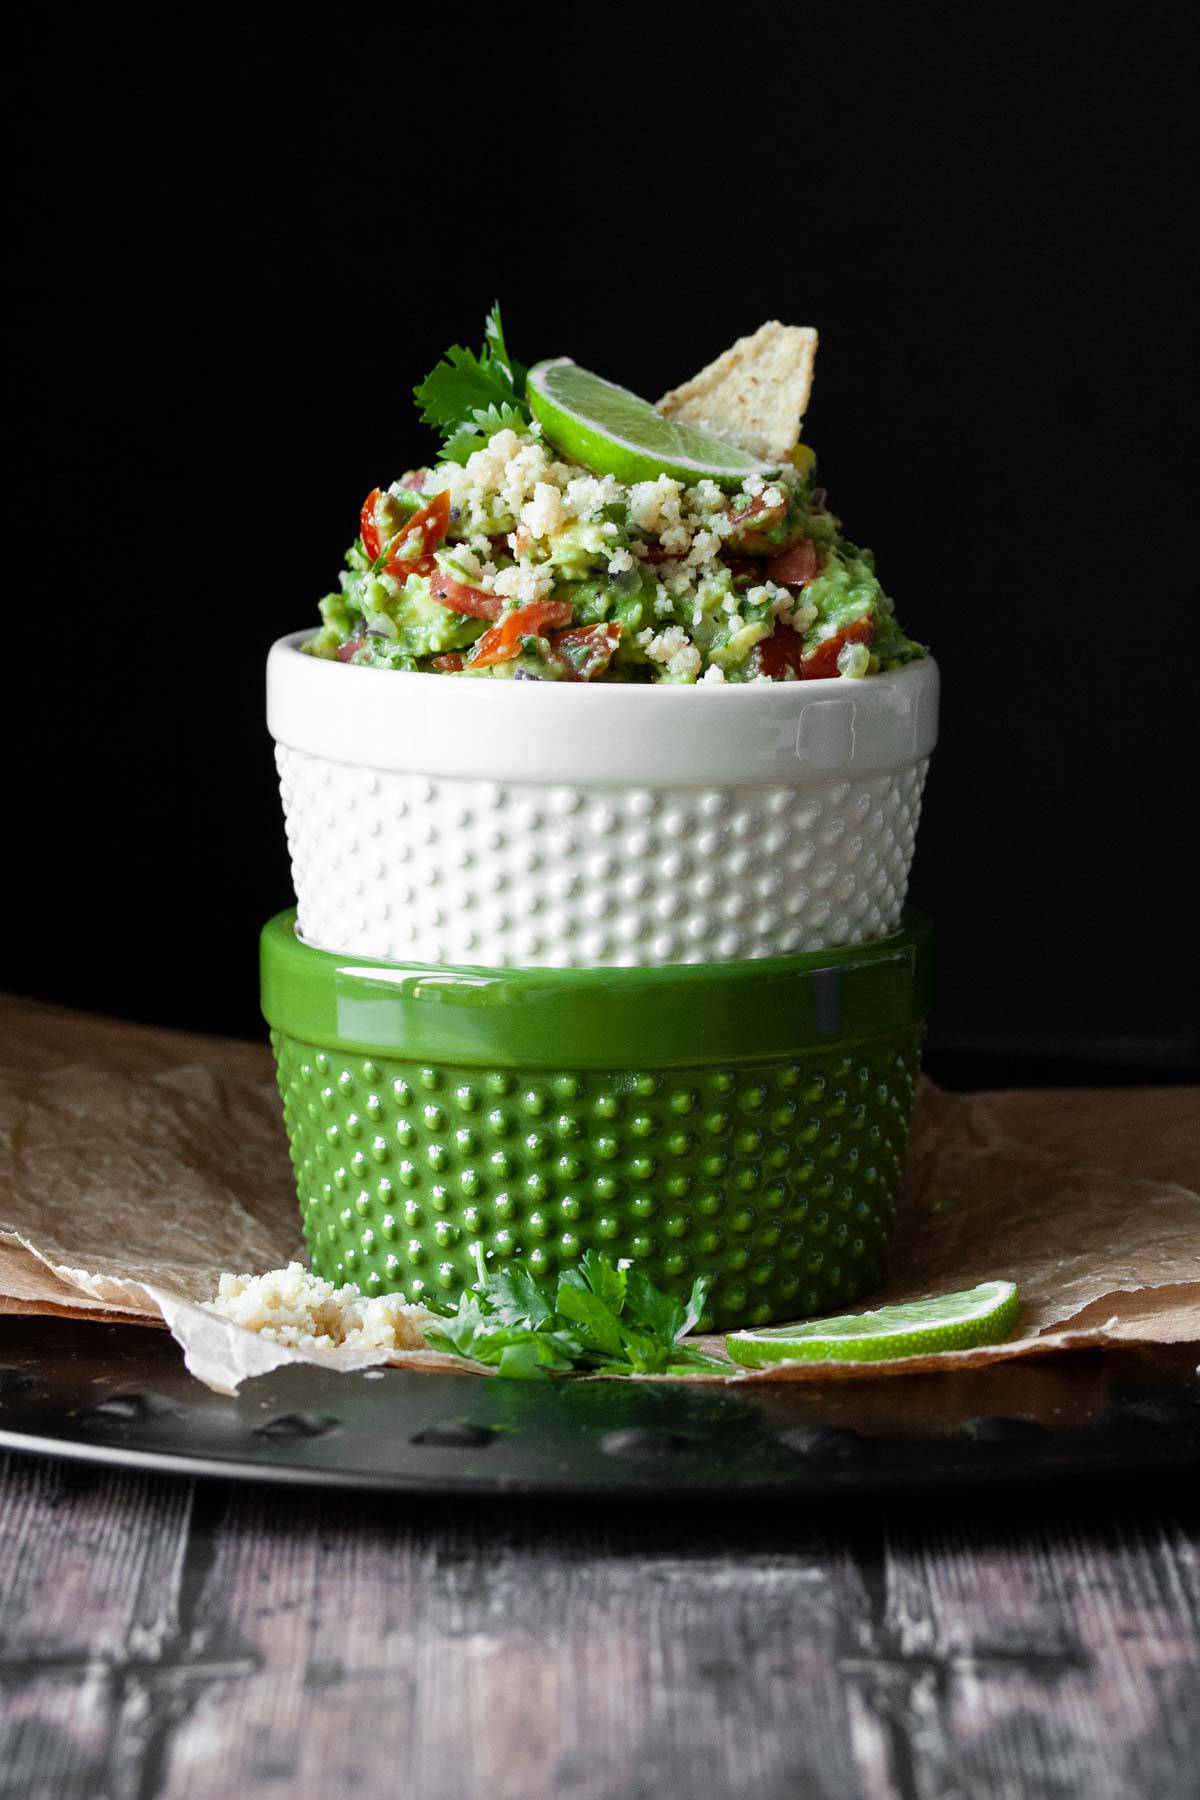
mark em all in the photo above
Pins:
pixel 469 397
pixel 602 1316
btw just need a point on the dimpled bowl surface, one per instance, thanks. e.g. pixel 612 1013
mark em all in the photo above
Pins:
pixel 525 824
pixel 777 1180
pixel 775 1175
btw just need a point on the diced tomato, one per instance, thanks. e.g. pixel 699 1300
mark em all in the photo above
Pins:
pixel 795 567
pixel 822 659
pixel 368 529
pixel 780 652
pixel 430 525
pixel 463 599
pixel 452 662
pixel 745 513
pixel 503 642
pixel 418 538
pixel 588 649
pixel 761 517
pixel 784 650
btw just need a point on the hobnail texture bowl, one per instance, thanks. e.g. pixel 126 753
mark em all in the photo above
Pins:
pixel 746 1122
pixel 535 825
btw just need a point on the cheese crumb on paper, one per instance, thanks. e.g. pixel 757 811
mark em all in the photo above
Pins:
pixel 296 1308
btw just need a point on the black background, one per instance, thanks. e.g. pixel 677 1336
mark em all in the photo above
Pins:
pixel 238 251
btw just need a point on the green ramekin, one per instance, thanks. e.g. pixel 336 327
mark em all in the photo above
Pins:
pixel 744 1121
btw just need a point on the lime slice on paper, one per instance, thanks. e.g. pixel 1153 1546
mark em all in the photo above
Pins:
pixel 980 1315
pixel 613 432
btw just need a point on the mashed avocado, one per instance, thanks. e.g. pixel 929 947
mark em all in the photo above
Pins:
pixel 505 561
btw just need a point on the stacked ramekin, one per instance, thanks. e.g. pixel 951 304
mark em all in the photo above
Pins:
pixel 612 966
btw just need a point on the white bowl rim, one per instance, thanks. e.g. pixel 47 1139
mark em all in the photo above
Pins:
pixel 611 734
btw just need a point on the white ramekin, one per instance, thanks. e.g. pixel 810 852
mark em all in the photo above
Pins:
pixel 517 824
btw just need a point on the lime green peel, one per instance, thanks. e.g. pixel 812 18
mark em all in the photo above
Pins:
pixel 980 1315
pixel 613 432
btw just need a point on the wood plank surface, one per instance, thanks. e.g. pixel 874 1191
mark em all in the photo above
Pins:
pixel 163 1640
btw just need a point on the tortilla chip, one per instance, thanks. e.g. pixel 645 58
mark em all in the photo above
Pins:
pixel 753 395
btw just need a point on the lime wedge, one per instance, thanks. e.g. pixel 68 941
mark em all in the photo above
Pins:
pixel 613 432
pixel 980 1315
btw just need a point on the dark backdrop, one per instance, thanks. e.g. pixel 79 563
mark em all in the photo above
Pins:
pixel 237 253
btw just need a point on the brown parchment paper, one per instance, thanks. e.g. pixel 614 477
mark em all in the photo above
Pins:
pixel 137 1164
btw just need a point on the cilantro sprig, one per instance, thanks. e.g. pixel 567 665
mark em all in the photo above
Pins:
pixel 600 1317
pixel 469 397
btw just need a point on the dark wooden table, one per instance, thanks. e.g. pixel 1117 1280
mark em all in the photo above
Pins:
pixel 159 1637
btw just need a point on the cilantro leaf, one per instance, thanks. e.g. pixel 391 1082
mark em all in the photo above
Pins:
pixel 495 350
pixel 598 1326
pixel 483 423
pixel 468 396
pixel 515 1298
pixel 660 1314
pixel 598 1316
pixel 603 1279
pixel 530 1356
pixel 459 384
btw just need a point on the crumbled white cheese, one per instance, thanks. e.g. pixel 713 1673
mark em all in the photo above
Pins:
pixel 586 494
pixel 525 582
pixel 687 661
pixel 293 1306
pixel 705 546
pixel 619 562
pixel 465 564
pixel 706 496
pixel 677 539
pixel 674 648
pixel 545 513
pixel 714 672
pixel 654 505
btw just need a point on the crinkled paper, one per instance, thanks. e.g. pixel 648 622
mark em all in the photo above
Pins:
pixel 136 1165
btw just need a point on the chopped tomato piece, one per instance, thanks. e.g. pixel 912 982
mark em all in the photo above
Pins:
pixel 417 539
pixel 780 652
pixel 761 517
pixel 452 662
pixel 429 525
pixel 784 650
pixel 368 529
pixel 588 649
pixel 795 567
pixel 503 642
pixel 463 599
pixel 822 659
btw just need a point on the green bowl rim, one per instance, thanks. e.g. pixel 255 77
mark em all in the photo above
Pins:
pixel 672 1016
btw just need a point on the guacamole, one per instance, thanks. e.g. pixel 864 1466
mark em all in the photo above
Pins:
pixel 508 560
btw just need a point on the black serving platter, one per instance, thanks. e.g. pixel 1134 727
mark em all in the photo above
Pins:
pixel 119 1394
